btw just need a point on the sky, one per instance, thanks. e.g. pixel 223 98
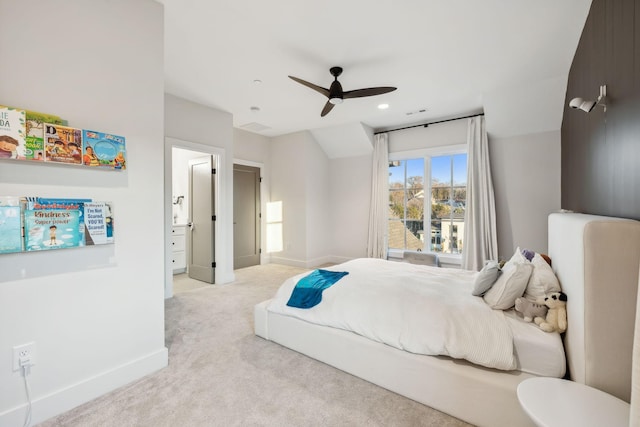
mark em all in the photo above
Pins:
pixel 440 169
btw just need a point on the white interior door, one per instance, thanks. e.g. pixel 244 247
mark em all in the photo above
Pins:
pixel 201 230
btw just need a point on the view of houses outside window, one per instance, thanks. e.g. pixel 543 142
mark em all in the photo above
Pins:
pixel 443 229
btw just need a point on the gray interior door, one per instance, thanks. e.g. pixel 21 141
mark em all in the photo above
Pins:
pixel 201 232
pixel 246 216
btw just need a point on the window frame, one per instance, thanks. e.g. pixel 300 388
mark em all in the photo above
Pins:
pixel 428 154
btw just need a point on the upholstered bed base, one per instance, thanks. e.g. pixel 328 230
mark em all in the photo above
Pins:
pixel 481 396
pixel 596 260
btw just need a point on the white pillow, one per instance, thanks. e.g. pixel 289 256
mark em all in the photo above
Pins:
pixel 543 280
pixel 518 256
pixel 510 285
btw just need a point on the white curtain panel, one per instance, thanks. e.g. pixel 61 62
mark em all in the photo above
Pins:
pixel 480 237
pixel 377 239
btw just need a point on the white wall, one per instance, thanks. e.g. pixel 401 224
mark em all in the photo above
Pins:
pixel 350 188
pixel 526 179
pixel 251 146
pixel 318 204
pixel 437 135
pixel 525 171
pixel 288 184
pixel 96 314
pixel 299 177
pixel 201 128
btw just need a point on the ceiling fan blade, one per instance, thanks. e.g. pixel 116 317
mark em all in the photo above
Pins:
pixel 327 107
pixel 317 88
pixel 371 91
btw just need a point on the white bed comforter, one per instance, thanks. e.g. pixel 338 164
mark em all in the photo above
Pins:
pixel 416 308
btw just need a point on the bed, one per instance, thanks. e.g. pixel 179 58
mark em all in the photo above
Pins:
pixel 596 261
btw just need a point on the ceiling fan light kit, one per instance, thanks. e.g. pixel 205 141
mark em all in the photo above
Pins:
pixel 336 95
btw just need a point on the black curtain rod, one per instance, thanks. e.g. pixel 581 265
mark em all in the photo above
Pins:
pixel 431 123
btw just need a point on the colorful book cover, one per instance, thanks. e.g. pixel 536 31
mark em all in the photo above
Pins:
pixel 98 222
pixel 104 150
pixel 51 229
pixel 63 144
pixel 12 133
pixel 34 144
pixel 77 205
pixel 10 225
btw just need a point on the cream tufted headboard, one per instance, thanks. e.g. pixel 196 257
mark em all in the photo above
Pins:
pixel 596 259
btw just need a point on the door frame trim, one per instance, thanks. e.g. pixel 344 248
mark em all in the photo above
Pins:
pixel 264 257
pixel 220 194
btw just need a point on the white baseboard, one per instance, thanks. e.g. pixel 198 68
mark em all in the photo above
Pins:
pixel 312 263
pixel 339 259
pixel 67 398
pixel 288 261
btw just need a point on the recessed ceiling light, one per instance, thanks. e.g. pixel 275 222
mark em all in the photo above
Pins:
pixel 257 81
pixel 255 109
pixel 383 106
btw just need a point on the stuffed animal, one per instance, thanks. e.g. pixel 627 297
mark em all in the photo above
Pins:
pixel 530 310
pixel 556 319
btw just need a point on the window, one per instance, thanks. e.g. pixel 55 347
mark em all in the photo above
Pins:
pixel 442 229
pixel 406 204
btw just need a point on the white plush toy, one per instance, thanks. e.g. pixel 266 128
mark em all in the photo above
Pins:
pixel 530 310
pixel 556 319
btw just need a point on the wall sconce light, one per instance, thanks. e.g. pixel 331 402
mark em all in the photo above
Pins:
pixel 587 105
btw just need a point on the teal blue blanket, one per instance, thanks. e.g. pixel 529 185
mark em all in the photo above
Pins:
pixel 308 290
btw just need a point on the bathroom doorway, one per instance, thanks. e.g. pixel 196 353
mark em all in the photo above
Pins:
pixel 180 158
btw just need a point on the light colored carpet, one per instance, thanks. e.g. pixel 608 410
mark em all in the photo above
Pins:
pixel 182 283
pixel 221 374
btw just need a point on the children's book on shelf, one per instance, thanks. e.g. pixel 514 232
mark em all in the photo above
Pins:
pixel 10 225
pixel 74 232
pixel 98 221
pixel 63 144
pixel 12 133
pixel 34 147
pixel 104 150
pixel 51 229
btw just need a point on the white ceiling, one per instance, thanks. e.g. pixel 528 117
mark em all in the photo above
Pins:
pixel 508 58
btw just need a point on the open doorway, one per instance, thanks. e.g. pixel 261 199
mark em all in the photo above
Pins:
pixel 187 223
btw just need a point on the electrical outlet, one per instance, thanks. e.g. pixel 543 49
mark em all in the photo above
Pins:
pixel 24 352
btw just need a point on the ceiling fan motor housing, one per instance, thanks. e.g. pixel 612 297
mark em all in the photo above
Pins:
pixel 335 92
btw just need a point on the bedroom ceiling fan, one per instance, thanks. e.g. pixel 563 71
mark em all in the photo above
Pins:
pixel 335 93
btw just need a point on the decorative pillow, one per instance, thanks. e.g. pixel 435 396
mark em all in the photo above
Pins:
pixel 486 278
pixel 528 254
pixel 510 285
pixel 543 280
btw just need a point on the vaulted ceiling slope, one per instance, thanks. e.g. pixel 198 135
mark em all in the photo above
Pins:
pixel 509 59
